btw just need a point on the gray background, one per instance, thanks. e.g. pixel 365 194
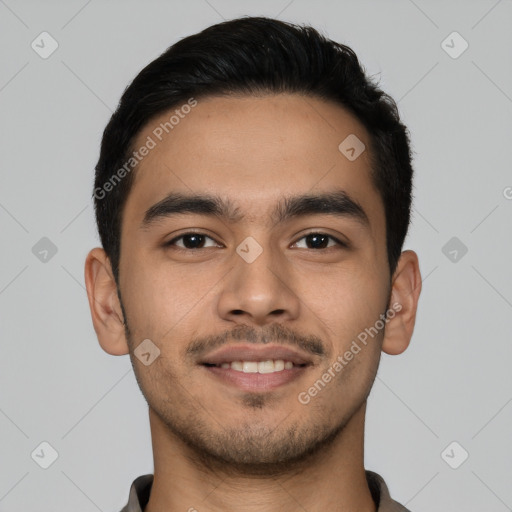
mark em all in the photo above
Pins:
pixel 453 383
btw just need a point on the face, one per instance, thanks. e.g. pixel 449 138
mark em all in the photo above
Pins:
pixel 256 276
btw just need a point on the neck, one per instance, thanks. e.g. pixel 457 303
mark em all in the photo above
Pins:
pixel 333 478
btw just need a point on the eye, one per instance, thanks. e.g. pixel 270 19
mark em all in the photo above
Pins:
pixel 195 241
pixel 320 241
pixel 191 241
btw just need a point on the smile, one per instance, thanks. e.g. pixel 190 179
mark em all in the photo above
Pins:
pixel 268 366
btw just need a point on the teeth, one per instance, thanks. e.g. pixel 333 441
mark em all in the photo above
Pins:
pixel 266 366
pixel 237 365
pixel 269 366
pixel 250 367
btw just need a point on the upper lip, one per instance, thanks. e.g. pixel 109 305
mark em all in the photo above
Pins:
pixel 253 352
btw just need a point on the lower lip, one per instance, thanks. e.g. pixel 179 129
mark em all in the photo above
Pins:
pixel 256 381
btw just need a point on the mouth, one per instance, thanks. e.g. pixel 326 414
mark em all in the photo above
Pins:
pixel 256 368
pixel 267 366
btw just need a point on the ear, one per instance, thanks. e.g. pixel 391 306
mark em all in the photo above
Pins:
pixel 106 312
pixel 405 292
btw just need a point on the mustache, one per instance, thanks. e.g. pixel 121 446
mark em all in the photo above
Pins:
pixel 275 333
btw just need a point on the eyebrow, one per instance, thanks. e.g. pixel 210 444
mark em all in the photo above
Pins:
pixel 338 203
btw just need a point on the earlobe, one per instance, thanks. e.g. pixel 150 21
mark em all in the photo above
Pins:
pixel 405 292
pixel 104 303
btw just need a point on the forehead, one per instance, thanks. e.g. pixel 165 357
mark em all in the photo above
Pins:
pixel 253 151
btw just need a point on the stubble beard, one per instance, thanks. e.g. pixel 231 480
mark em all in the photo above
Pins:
pixel 249 449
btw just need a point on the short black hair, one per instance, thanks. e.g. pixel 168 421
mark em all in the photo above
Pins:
pixel 255 55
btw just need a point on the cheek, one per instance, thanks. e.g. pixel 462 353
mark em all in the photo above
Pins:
pixel 348 300
pixel 160 299
pixel 358 373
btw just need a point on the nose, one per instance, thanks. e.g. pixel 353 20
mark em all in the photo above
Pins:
pixel 259 292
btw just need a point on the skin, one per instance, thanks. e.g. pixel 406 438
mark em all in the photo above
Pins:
pixel 215 446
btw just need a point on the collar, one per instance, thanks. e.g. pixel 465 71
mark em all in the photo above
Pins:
pixel 141 489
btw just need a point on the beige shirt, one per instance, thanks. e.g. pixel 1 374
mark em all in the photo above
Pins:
pixel 141 487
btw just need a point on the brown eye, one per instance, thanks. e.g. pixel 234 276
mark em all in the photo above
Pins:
pixel 191 241
pixel 320 241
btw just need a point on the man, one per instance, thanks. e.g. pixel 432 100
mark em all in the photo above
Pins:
pixel 252 195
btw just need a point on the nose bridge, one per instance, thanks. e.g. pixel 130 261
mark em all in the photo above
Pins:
pixel 257 265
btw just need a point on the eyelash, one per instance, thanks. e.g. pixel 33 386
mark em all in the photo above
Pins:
pixel 171 243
